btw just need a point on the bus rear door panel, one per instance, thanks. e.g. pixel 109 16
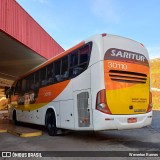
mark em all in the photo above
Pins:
pixel 83 110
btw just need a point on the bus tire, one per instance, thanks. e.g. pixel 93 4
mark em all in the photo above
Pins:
pixel 15 118
pixel 51 124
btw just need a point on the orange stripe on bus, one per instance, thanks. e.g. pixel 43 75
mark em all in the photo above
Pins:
pixel 49 93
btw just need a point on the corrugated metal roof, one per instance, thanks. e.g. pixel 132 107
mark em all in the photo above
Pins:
pixel 17 23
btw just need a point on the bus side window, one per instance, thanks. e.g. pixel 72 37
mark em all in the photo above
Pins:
pixel 58 75
pixel 43 77
pixel 50 74
pixel 18 88
pixel 73 63
pixel 83 59
pixel 79 60
pixel 37 80
pixel 64 70
pixel 84 55
pixel 24 86
pixel 30 83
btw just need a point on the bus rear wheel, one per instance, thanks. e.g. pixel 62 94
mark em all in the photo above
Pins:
pixel 51 124
pixel 15 118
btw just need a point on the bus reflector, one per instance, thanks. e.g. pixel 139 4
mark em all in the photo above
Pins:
pixel 101 103
pixel 150 102
pixel 109 119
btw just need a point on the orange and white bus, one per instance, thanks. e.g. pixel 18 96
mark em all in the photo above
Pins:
pixel 102 83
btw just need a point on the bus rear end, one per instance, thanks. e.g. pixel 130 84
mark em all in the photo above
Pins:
pixel 125 102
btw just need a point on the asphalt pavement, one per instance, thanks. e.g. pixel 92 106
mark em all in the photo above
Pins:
pixel 146 139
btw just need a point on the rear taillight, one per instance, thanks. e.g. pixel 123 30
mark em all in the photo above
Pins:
pixel 150 102
pixel 101 103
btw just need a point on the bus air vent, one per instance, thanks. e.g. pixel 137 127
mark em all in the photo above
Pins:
pixel 127 77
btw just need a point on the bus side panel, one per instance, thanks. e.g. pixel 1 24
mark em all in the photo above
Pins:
pixel 82 81
pixel 25 116
pixel 62 105
pixel 38 116
pixel 35 116
pixel 82 101
pixel 67 114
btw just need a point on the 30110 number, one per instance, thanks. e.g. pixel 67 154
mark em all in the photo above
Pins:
pixel 117 65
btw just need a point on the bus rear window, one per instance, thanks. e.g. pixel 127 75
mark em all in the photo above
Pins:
pixel 79 60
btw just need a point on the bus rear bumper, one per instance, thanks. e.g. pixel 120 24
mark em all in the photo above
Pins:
pixel 107 122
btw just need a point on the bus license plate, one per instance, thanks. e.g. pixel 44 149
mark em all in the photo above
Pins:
pixel 132 120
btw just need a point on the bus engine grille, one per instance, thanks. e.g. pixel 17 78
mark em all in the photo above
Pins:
pixel 127 77
pixel 83 112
